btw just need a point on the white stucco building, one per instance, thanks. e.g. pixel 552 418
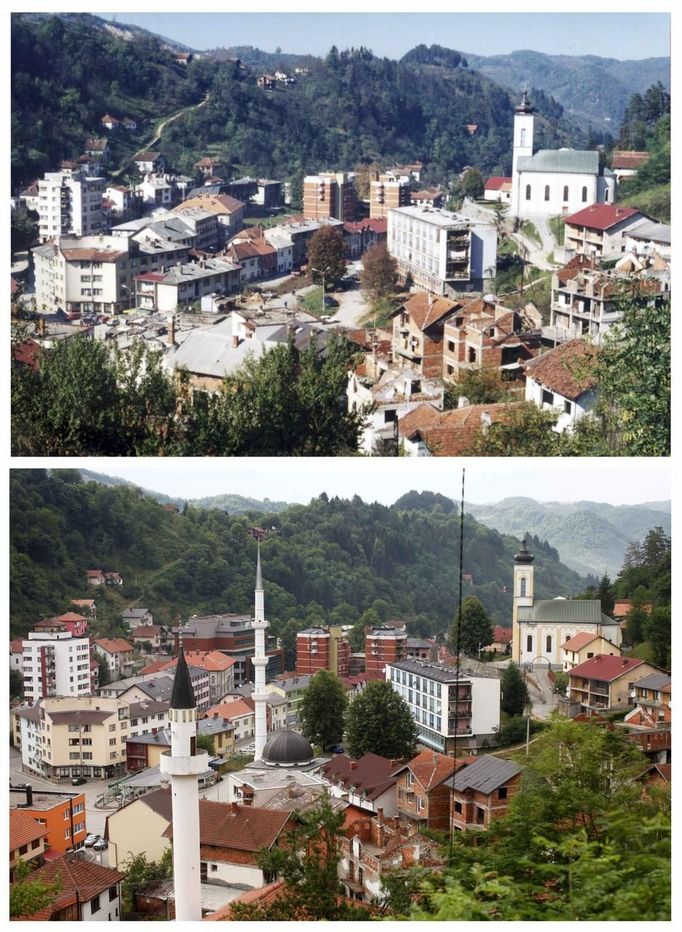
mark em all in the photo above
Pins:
pixel 540 628
pixel 445 706
pixel 69 202
pixel 55 664
pixel 441 251
pixel 554 182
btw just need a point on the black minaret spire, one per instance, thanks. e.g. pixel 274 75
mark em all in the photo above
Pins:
pixel 183 691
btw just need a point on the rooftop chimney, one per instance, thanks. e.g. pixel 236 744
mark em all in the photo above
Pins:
pixel 234 807
pixel 353 764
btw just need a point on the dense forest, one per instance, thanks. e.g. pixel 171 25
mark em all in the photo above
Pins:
pixel 330 561
pixel 351 108
pixel 646 126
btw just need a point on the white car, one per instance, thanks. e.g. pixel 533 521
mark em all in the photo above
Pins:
pixel 90 840
pixel 100 845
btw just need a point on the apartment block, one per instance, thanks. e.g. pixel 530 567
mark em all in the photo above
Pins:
pixel 448 707
pixel 63 738
pixel 322 649
pixel 62 815
pixel 383 646
pixel 328 195
pixel 70 202
pixel 441 251
pixel 186 283
pixel 386 193
pixel 233 635
pixel 55 664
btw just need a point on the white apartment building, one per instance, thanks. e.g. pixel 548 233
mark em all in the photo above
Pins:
pixel 70 202
pixel 447 708
pixel 441 251
pixel 185 283
pixel 94 274
pixel 55 664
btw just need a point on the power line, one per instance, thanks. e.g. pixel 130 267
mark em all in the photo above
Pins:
pixel 458 636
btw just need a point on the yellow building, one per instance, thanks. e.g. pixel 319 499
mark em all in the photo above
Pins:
pixel 138 828
pixel 585 646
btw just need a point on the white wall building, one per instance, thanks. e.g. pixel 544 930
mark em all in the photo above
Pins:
pixel 185 283
pixel 442 251
pixel 445 706
pixel 55 664
pixel 562 380
pixel 70 202
pixel 554 182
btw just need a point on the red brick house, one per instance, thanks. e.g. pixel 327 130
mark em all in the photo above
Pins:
pixel 418 332
pixel 481 792
pixel 422 793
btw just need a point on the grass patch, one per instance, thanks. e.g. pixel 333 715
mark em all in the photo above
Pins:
pixel 529 229
pixel 379 314
pixel 643 651
pixel 558 228
pixel 312 303
pixel 653 201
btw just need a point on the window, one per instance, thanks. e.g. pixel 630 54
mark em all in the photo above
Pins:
pixel 548 644
pixel 390 416
pixel 472 354
pixel 529 643
pixel 113 893
pixel 458 807
pixel 451 346
pixel 502 792
pixel 523 586
pixel 527 192
pixel 606 196
pixel 35 844
pixel 420 803
pixel 23 849
pixel 94 905
pixel 567 407
pixel 546 192
pixel 584 195
pixel 565 193
pixel 522 139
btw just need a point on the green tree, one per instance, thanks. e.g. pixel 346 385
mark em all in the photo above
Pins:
pixel 103 665
pixel 322 709
pixel 476 630
pixel 27 896
pixel 632 415
pixel 526 430
pixel 379 720
pixel 16 683
pixel 205 743
pixel 141 873
pixel 308 864
pixel 514 693
pixel 500 211
pixel 379 273
pixel 24 229
pixel 326 256
pixel 479 386
pixel 473 184
pixel 657 632
pixel 605 594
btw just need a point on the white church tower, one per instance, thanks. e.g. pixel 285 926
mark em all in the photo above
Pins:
pixel 260 662
pixel 183 764
pixel 523 593
pixel 524 122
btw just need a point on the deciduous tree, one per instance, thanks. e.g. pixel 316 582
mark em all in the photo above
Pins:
pixel 379 720
pixel 514 693
pixel 322 709
pixel 326 256
pixel 476 630
pixel 379 272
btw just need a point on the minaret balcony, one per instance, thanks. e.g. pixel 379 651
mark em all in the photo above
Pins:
pixel 191 766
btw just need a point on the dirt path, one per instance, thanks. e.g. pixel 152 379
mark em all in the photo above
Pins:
pixel 162 126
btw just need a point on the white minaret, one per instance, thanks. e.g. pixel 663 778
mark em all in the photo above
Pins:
pixel 522 147
pixel 183 764
pixel 523 593
pixel 260 661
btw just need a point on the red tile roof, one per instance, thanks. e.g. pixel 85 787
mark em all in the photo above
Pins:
pixel 235 708
pixel 623 158
pixel 27 353
pixel 451 433
pixel 243 828
pixel 370 773
pixel 567 369
pixel 23 829
pixel 85 877
pixel 496 183
pixel 425 309
pixel 579 641
pixel 16 646
pixel 605 667
pixel 114 645
pixel 430 768
pixel 601 216
pixel 212 660
pixel 502 635
pixel 71 616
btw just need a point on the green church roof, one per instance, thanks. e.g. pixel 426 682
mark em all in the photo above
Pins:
pixel 566 611
pixel 570 161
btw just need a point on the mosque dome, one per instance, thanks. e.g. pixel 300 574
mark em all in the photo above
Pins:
pixel 286 749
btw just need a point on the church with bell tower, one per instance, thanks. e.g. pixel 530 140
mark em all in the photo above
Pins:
pixel 540 627
pixel 553 182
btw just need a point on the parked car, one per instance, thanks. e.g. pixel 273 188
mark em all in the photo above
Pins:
pixel 336 749
pixel 91 839
pixel 78 781
pixel 101 845
pixel 330 302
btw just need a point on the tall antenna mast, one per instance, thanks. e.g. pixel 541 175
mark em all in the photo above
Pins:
pixel 458 643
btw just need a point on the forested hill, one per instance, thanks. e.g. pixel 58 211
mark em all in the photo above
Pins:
pixel 329 561
pixel 351 108
pixel 589 536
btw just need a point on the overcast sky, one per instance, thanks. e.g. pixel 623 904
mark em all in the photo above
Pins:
pixel 385 480
pixel 618 34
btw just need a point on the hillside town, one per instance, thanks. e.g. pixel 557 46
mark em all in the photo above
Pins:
pixel 186 746
pixel 209 271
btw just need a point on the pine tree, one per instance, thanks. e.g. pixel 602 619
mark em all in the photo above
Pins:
pixel 476 627
pixel 322 709
pixel 514 693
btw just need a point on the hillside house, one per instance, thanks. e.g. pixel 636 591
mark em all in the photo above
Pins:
pixel 652 699
pixel 426 431
pixel 605 684
pixel 418 332
pixel 118 654
pixel 481 792
pixel 498 188
pixel 422 792
pixel 600 231
pixel 88 891
pixel 585 646
pixel 148 163
pixel 368 783
pixel 627 162
pixel 562 380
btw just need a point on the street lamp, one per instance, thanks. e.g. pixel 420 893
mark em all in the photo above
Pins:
pixel 322 273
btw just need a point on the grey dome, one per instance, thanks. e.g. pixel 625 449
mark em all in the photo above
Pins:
pixel 286 748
